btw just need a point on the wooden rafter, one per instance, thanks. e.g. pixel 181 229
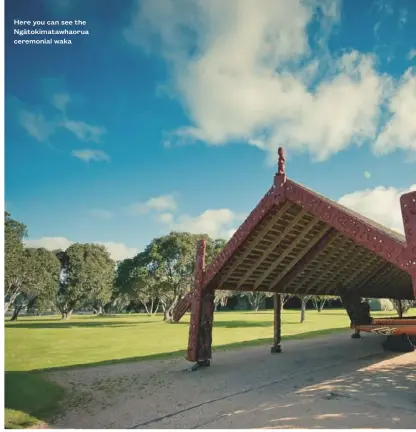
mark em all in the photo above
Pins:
pixel 249 248
pixel 274 244
pixel 372 275
pixel 271 248
pixel 354 274
pixel 335 275
pixel 319 243
pixel 300 237
pixel 322 263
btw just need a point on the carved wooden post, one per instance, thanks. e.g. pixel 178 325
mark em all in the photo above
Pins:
pixel 408 205
pixel 277 325
pixel 202 310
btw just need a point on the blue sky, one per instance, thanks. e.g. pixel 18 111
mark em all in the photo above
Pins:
pixel 169 113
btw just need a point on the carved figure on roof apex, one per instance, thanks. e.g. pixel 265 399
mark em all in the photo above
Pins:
pixel 281 162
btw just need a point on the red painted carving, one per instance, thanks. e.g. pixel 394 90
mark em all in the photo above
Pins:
pixel 196 297
pixel 181 307
pixel 281 169
pixel 408 206
pixel 380 242
pixel 205 333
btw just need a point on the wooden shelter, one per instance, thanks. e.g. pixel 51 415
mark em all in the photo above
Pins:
pixel 299 242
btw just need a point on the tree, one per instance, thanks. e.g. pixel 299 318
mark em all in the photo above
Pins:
pixel 135 280
pixel 14 233
pixel 40 270
pixel 402 306
pixel 320 300
pixel 284 298
pixel 255 298
pixel 169 262
pixel 221 297
pixel 304 300
pixel 87 274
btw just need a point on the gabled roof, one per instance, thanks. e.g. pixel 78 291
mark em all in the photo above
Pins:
pixel 298 241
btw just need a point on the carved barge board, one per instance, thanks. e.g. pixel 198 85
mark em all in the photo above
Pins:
pixel 298 266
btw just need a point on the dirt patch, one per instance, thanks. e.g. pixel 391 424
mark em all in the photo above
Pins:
pixel 330 382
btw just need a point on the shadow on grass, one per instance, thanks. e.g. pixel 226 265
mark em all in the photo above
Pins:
pixel 32 400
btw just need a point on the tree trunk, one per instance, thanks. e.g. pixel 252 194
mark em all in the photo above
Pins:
pixel 302 311
pixel 16 312
pixel 321 305
pixel 11 301
pixel 66 315
pixel 168 315
pixel 400 309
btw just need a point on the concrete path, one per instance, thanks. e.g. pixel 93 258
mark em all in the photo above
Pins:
pixel 329 382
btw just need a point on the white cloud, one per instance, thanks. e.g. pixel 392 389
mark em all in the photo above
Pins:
pixel 165 218
pixel 60 101
pixel 400 130
pixel 83 131
pixel 118 251
pixel 220 223
pixel 412 54
pixel 89 155
pixel 41 128
pixel 244 70
pixel 101 214
pixel 380 204
pixel 162 203
pixel 36 125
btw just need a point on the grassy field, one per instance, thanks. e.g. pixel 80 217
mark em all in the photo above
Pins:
pixel 36 345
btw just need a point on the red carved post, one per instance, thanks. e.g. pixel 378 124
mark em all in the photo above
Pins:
pixel 277 325
pixel 281 169
pixel 408 205
pixel 196 303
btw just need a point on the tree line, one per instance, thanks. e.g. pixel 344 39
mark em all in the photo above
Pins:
pixel 85 277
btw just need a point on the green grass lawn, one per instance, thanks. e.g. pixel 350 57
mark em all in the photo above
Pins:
pixel 35 345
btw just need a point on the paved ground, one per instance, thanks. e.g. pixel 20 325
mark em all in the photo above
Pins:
pixel 330 382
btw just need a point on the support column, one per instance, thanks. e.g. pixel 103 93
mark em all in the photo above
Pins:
pixel 202 312
pixel 408 206
pixel 277 325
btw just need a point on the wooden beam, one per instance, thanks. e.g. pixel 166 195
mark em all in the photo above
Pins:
pixel 300 237
pixel 355 273
pixel 274 244
pixel 321 263
pixel 324 239
pixel 360 269
pixel 249 247
pixel 372 275
pixel 342 259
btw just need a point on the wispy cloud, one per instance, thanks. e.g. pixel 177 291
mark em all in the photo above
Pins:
pixel 36 125
pixel 41 128
pixel 412 54
pixel 89 155
pixel 162 203
pixel 217 223
pixel 83 131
